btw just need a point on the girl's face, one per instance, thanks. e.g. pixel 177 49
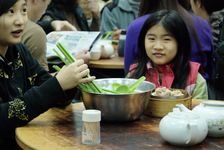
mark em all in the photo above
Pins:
pixel 12 23
pixel 161 46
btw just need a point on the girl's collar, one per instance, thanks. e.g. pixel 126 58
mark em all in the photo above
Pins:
pixel 150 66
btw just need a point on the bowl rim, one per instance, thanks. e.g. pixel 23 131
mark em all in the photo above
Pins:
pixel 189 97
pixel 117 94
pixel 120 94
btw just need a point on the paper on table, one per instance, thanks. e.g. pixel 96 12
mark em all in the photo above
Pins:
pixel 73 41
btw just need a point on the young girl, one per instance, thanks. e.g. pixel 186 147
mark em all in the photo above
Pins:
pixel 26 89
pixel 199 29
pixel 164 55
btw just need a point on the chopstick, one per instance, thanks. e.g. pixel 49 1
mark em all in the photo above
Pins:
pixel 70 59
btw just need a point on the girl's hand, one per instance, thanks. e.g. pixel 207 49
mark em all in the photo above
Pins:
pixel 73 74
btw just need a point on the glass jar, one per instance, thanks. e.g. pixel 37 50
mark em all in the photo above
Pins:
pixel 91 127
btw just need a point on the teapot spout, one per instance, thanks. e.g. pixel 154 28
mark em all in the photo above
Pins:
pixel 182 108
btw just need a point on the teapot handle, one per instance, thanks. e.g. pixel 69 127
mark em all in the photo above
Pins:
pixel 192 129
pixel 182 108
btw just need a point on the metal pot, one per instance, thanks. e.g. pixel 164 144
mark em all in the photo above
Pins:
pixel 118 107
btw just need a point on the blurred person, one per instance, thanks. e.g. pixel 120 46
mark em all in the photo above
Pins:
pixel 27 90
pixel 36 8
pixel 34 36
pixel 90 8
pixel 63 15
pixel 102 3
pixel 186 4
pixel 200 33
pixel 164 55
pixel 117 15
pixel 213 12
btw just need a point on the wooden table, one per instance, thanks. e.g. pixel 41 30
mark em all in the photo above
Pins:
pixel 60 129
pixel 111 63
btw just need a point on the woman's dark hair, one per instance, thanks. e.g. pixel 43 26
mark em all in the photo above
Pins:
pixel 174 24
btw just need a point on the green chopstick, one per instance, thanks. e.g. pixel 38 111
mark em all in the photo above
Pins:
pixel 71 59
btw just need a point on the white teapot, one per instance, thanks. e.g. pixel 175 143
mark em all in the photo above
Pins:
pixel 213 113
pixel 183 127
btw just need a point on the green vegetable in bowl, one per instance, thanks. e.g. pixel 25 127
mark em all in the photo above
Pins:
pixel 117 88
pixel 120 88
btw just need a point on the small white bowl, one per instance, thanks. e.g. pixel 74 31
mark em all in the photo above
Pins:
pixel 95 55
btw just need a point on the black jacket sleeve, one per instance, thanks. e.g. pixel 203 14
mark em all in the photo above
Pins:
pixel 42 92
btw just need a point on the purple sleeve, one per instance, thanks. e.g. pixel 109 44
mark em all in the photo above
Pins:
pixel 204 32
pixel 131 43
pixel 207 39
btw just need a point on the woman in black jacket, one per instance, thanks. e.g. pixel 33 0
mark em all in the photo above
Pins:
pixel 26 89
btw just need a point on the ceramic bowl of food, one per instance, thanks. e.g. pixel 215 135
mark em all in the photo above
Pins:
pixel 118 107
pixel 163 100
pixel 213 112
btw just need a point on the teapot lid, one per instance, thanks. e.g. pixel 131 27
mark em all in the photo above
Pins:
pixel 213 103
pixel 183 115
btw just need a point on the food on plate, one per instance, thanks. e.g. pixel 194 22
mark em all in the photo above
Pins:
pixel 163 91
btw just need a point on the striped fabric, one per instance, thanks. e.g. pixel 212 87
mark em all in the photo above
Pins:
pixel 215 20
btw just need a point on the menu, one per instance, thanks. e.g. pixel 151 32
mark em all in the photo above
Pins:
pixel 73 41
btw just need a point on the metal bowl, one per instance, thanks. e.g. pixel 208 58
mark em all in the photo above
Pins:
pixel 118 107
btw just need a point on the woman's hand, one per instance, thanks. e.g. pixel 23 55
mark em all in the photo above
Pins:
pixel 73 74
pixel 116 34
pixel 83 54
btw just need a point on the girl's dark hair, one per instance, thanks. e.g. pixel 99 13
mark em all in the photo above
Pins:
pixel 174 24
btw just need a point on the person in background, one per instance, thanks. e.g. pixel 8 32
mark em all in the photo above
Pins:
pixel 186 4
pixel 89 7
pixel 213 12
pixel 26 89
pixel 62 15
pixel 102 3
pixel 164 55
pixel 117 15
pixel 34 36
pixel 200 33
